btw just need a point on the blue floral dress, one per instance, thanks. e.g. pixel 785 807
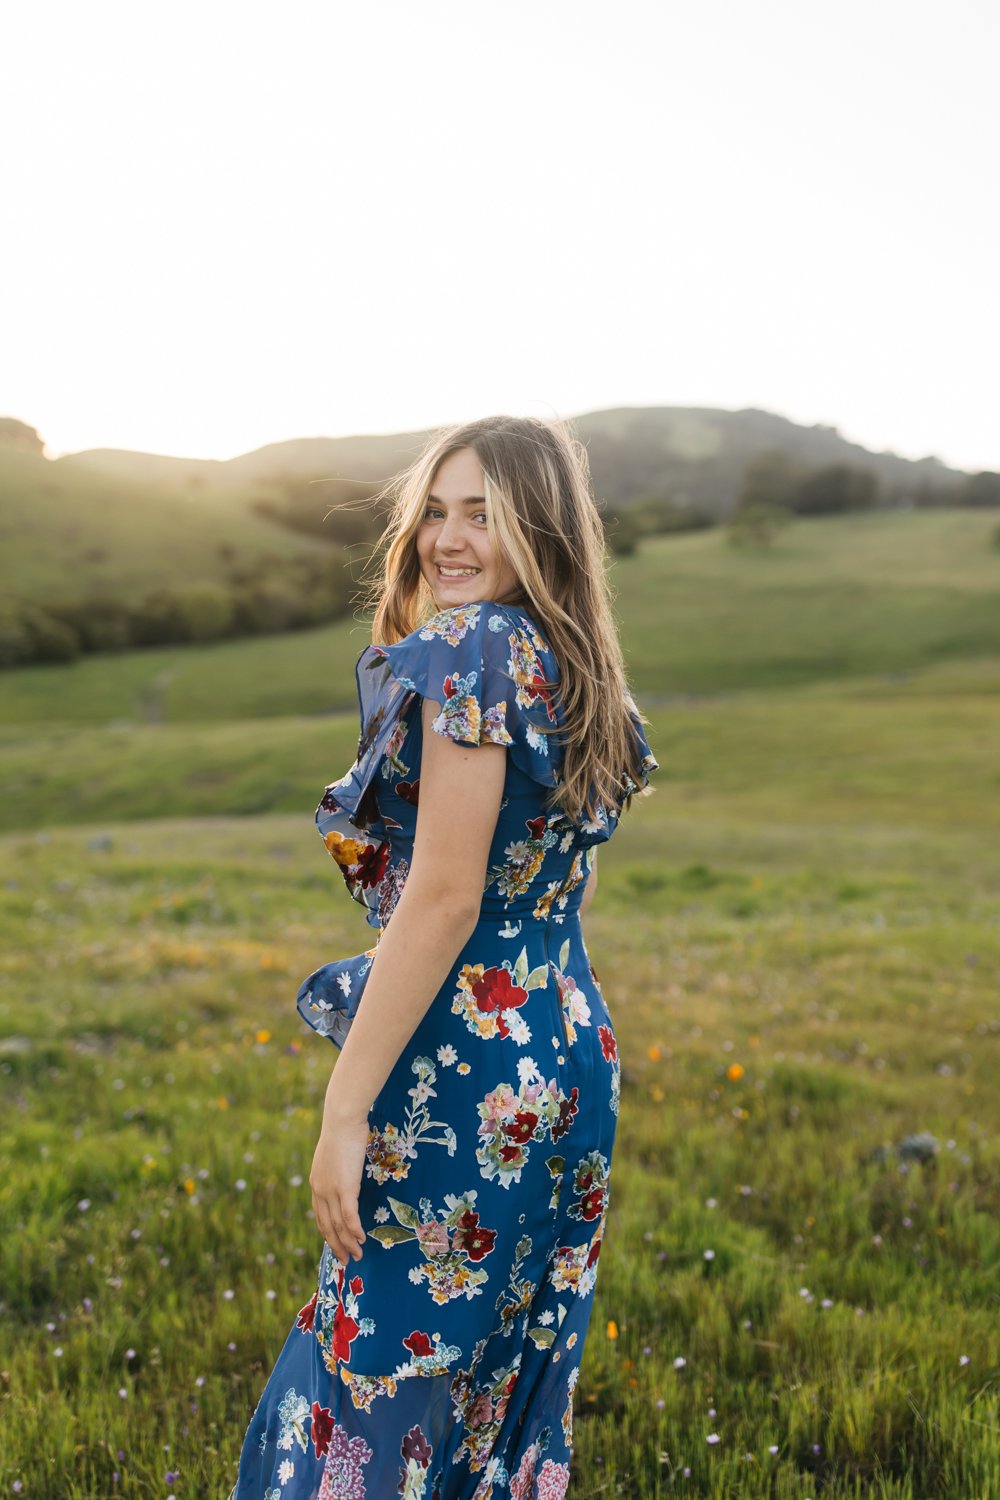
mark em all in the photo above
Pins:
pixel 442 1365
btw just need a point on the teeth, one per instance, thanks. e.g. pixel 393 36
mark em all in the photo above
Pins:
pixel 457 572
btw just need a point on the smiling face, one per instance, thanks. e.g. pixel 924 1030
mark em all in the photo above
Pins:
pixel 453 544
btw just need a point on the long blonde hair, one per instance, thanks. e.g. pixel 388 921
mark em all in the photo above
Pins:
pixel 541 516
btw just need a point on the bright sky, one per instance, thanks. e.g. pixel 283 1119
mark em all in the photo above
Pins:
pixel 226 224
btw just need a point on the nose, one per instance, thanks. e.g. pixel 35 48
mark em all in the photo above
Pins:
pixel 449 538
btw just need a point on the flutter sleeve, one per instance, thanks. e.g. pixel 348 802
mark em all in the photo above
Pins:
pixel 493 675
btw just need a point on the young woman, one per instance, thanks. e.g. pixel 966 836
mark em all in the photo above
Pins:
pixel 460 1180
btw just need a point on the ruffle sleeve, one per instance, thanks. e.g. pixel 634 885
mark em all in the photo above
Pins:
pixel 494 675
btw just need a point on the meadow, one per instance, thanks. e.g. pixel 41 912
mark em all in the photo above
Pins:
pixel 798 935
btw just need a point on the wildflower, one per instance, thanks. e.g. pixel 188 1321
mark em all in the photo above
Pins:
pixel 713 1437
pixel 680 1362
pixel 734 1072
pixel 709 1254
pixel 83 1205
pixel 773 1448
pixel 240 1184
pixel 612 1329
pixel 262 1037
pixel 963 1359
pixel 654 1054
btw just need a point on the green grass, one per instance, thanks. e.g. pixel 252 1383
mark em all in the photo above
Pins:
pixel 811 895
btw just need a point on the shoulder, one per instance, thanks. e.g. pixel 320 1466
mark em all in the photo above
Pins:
pixel 492 671
pixel 482 636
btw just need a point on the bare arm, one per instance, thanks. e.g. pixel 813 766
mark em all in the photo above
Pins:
pixel 461 787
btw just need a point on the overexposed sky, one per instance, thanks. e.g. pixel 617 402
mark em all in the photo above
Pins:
pixel 226 224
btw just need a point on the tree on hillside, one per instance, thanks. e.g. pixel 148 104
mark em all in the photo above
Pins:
pixel 19 436
pixel 980 489
pixel 657 515
pixel 834 489
pixel 336 510
pixel 757 523
pixel 771 477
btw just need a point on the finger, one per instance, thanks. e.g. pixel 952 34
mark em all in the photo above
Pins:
pixel 352 1219
pixel 350 1240
pixel 327 1226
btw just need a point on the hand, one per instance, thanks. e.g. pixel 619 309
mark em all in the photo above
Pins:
pixel 335 1179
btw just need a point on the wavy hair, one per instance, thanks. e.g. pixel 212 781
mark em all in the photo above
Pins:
pixel 541 516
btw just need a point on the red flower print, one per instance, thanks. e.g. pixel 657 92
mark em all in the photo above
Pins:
pixel 592 1204
pixel 419 1343
pixel 496 991
pixel 322 1428
pixel 415 1446
pixel 450 688
pixel 357 1285
pixel 509 1153
pixel 522 1128
pixel 372 863
pixel 307 1314
pixel 567 1109
pixel 608 1044
pixel 535 826
pixel 409 791
pixel 471 1237
pixel 541 691
pixel 344 1330
pixel 595 1251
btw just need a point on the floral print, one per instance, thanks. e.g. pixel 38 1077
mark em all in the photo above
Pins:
pixel 443 1364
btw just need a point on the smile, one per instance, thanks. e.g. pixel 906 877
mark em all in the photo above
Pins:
pixel 456 572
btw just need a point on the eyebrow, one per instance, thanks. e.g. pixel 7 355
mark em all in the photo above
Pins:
pixel 470 500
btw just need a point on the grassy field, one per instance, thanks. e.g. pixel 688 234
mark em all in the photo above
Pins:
pixel 799 938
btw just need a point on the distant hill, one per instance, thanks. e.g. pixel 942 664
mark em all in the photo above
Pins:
pixel 692 455
pixel 69 530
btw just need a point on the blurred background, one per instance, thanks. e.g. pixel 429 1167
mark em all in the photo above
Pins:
pixel 252 259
